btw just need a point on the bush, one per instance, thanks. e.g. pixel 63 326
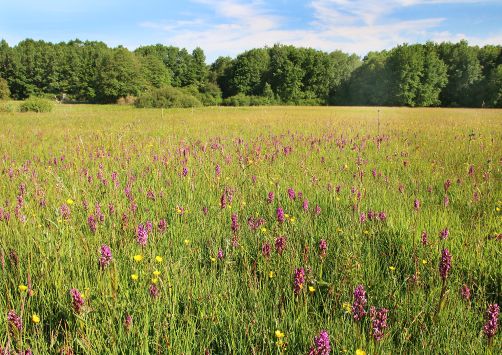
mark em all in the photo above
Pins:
pixel 4 89
pixel 237 100
pixel 167 97
pixel 8 107
pixel 244 100
pixel 126 100
pixel 36 104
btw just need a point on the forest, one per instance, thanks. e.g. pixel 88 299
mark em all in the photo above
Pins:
pixel 417 75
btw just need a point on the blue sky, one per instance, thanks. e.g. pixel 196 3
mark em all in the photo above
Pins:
pixel 228 27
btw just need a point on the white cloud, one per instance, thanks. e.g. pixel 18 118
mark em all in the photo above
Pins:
pixel 358 26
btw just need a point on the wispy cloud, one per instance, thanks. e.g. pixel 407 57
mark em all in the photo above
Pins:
pixel 231 26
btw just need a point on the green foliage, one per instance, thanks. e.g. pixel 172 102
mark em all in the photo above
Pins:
pixel 248 72
pixel 237 100
pixel 446 74
pixel 36 104
pixel 8 107
pixel 464 72
pixel 418 75
pixel 167 97
pixel 4 89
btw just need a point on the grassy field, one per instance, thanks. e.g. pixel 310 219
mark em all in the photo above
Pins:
pixel 205 259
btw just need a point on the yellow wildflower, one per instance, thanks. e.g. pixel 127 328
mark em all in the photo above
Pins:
pixel 155 280
pixel 134 277
pixel 156 273
pixel 186 241
pixel 392 268
pixel 35 318
pixel 279 334
pixel 137 258
pixel 360 352
pixel 424 261
pixel 271 274
pixel 69 201
pixel 159 259
pixel 311 289
pixel 23 288
pixel 212 259
pixel 347 307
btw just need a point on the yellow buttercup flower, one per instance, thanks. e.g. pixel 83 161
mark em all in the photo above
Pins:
pixel 69 201
pixel 264 230
pixel 35 318
pixel 212 259
pixel 159 259
pixel 424 261
pixel 271 274
pixel 347 307
pixel 156 273
pixel 23 288
pixel 392 268
pixel 137 258
pixel 279 334
pixel 186 241
pixel 155 280
pixel 311 289
pixel 360 352
pixel 134 277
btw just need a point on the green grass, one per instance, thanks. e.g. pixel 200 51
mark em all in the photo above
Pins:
pixel 232 305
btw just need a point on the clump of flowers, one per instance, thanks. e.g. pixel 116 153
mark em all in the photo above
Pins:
pixel 492 318
pixel 378 322
pixel 162 226
pixel 280 215
pixel 142 235
pixel 323 247
pixel 91 221
pixel 106 256
pixel 280 244
pixel 424 238
pixel 270 197
pixel 465 292
pixel 154 291
pixel 444 234
pixel 65 212
pixel 220 255
pixel 265 250
pixel 299 280
pixel 128 322
pixel 14 320
pixel 445 264
pixel 77 300
pixel 235 223
pixel 321 344
pixel 358 311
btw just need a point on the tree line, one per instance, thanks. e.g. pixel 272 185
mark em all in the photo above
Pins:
pixel 430 74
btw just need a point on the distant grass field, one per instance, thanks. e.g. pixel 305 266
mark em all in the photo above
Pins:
pixel 202 258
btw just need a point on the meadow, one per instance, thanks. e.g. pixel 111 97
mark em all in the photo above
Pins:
pixel 259 230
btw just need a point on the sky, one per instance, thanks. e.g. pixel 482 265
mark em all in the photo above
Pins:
pixel 228 27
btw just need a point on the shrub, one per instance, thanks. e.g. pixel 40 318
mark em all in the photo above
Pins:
pixel 237 100
pixel 126 100
pixel 36 104
pixel 4 89
pixel 7 107
pixel 167 97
